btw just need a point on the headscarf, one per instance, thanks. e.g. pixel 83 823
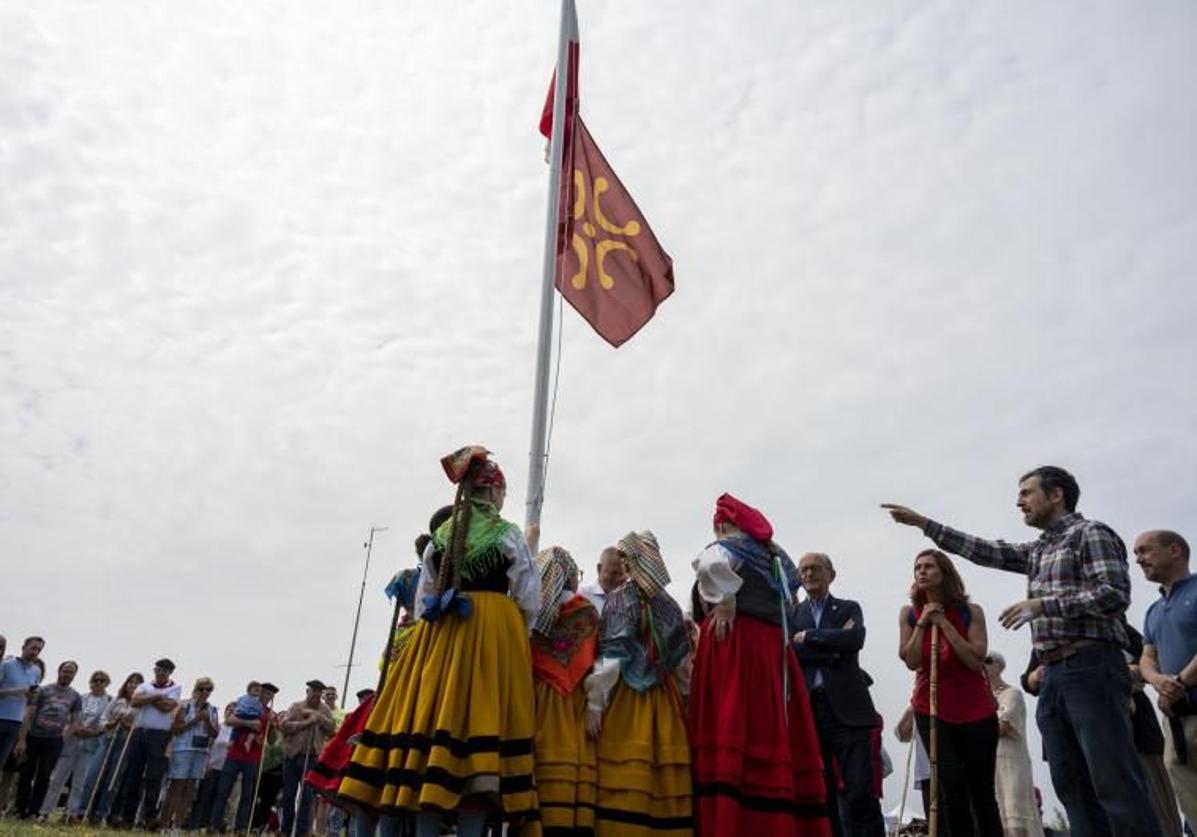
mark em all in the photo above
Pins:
pixel 556 567
pixel 646 568
pixel 404 585
pixel 744 517
pixel 473 461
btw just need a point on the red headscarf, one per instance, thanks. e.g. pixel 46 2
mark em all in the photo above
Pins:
pixel 744 517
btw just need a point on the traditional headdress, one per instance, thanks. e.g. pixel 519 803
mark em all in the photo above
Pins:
pixel 556 567
pixel 646 568
pixel 472 463
pixel 744 517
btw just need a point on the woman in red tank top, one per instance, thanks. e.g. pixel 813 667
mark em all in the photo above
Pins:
pixel 967 723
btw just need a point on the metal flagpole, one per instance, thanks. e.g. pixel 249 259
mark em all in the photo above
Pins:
pixel 357 619
pixel 540 409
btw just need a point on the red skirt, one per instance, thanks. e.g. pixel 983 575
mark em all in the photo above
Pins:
pixel 756 763
pixel 325 777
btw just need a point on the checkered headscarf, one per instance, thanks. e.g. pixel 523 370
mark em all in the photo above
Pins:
pixel 556 567
pixel 646 568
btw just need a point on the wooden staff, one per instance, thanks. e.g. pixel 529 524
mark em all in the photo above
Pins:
pixel 253 802
pixel 906 780
pixel 933 814
pixel 91 800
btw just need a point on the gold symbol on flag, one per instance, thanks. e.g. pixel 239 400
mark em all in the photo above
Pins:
pixel 603 246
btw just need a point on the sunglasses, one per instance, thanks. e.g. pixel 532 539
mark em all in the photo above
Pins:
pixel 100 680
pixel 203 688
pixel 988 660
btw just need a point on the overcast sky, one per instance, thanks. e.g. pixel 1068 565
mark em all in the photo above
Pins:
pixel 262 264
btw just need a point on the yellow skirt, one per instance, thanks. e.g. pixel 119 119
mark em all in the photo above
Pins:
pixel 643 766
pixel 565 768
pixel 456 719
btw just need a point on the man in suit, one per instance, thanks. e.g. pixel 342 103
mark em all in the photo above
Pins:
pixel 829 635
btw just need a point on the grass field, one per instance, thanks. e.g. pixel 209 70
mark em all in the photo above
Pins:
pixel 15 828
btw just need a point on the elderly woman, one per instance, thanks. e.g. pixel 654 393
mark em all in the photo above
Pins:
pixel 966 723
pixel 451 730
pixel 634 702
pixel 757 763
pixel 1014 784
pixel 564 642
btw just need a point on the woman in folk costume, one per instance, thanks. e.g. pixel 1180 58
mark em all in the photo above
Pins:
pixel 757 763
pixel 564 642
pixel 634 703
pixel 452 730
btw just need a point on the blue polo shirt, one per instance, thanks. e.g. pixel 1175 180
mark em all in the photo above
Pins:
pixel 15 673
pixel 1171 626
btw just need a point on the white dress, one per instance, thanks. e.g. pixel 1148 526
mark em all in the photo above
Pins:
pixel 1015 788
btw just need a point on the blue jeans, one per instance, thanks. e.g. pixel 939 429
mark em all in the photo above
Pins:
pixel 293 770
pixel 245 807
pixel 1084 716
pixel 101 790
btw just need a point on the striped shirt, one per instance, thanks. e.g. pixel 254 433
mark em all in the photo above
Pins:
pixel 1078 568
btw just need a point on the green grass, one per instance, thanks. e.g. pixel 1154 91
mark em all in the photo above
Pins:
pixel 16 828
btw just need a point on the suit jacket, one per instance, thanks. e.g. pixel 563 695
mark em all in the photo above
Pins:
pixel 834 650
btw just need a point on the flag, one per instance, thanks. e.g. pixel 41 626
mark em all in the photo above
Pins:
pixel 610 266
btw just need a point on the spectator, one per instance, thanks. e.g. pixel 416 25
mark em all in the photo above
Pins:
pixel 53 711
pixel 966 723
pixel 193 727
pixel 80 746
pixel 18 682
pixel 609 576
pixel 205 797
pixel 1169 661
pixel 155 703
pixel 1015 787
pixel 830 635
pixel 244 759
pixel 1078 588
pixel 106 770
pixel 330 700
pixel 1149 743
pixel 306 726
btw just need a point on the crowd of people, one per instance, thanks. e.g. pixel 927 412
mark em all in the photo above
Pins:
pixel 514 696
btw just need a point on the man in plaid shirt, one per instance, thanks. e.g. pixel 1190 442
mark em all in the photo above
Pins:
pixel 1078 588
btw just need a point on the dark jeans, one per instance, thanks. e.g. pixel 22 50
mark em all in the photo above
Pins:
pixel 967 757
pixel 852 749
pixel 228 775
pixel 8 738
pixel 1084 716
pixel 205 795
pixel 145 768
pixel 41 754
pixel 293 771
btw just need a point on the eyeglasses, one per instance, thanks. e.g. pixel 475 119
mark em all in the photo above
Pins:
pixel 203 688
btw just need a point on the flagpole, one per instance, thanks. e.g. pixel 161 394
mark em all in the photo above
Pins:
pixel 540 409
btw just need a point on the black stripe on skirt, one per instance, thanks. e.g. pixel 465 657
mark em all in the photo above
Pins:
pixel 762 803
pixel 457 747
pixel 415 779
pixel 646 820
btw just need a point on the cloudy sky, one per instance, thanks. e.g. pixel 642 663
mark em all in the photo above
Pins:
pixel 262 264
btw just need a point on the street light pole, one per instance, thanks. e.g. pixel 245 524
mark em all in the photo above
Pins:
pixel 369 545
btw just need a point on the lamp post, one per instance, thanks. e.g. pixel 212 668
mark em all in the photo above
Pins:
pixel 369 545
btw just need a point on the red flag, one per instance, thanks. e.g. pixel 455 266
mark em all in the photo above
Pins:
pixel 610 266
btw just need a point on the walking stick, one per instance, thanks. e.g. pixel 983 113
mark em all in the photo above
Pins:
pixel 124 749
pixel 91 800
pixel 906 782
pixel 933 814
pixel 253 803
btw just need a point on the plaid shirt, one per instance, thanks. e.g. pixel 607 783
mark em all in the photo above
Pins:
pixel 1077 567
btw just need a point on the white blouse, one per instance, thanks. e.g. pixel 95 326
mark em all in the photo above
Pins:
pixel 716 578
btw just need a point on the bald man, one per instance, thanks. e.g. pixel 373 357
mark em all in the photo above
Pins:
pixel 610 574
